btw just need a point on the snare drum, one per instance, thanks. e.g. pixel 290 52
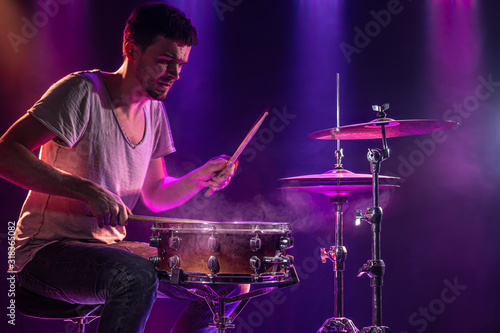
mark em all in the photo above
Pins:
pixel 224 252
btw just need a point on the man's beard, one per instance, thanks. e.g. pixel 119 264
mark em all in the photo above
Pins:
pixel 149 83
pixel 155 94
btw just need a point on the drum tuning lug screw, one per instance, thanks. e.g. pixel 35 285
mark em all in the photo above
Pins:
pixel 174 242
pixel 155 260
pixel 255 264
pixel 155 241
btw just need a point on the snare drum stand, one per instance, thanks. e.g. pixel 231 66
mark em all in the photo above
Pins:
pixel 375 268
pixel 217 304
pixel 338 255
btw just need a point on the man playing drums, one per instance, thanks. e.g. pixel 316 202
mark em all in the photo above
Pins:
pixel 102 138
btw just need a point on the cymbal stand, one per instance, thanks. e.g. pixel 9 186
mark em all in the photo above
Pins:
pixel 375 268
pixel 338 253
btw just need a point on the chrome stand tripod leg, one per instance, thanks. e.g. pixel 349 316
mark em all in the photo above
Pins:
pixel 338 255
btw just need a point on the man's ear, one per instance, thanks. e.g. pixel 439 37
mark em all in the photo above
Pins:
pixel 130 50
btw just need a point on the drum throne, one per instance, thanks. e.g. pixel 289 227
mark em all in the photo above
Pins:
pixel 36 306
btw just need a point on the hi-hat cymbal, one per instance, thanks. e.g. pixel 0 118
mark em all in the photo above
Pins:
pixel 337 190
pixel 335 175
pixel 393 128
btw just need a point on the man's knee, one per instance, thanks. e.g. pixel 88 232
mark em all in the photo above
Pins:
pixel 136 276
pixel 147 276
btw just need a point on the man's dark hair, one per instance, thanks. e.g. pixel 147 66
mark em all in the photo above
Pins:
pixel 151 20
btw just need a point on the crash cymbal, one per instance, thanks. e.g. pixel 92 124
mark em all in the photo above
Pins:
pixel 335 175
pixel 393 128
pixel 337 190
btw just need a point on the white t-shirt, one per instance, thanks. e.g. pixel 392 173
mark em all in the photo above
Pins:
pixel 92 144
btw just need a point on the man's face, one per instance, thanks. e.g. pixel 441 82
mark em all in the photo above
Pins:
pixel 159 66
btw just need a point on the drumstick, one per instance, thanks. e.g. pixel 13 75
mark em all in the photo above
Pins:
pixel 163 219
pixel 157 219
pixel 243 144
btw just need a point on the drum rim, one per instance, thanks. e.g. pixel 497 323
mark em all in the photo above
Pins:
pixel 237 278
pixel 240 226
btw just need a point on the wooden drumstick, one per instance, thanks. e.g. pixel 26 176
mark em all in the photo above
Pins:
pixel 156 219
pixel 243 144
pixel 162 219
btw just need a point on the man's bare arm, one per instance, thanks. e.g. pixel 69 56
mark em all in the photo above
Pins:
pixel 162 192
pixel 20 166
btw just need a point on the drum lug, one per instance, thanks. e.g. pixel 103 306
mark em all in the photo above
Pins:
pixel 213 265
pixel 286 243
pixel 174 262
pixel 255 264
pixel 174 242
pixel 255 244
pixel 213 244
pixel 155 241
pixel 155 260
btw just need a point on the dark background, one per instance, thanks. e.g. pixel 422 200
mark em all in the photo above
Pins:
pixel 428 59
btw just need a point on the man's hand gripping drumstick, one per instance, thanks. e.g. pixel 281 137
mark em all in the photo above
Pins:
pixel 238 151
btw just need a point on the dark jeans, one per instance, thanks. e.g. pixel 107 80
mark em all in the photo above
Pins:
pixel 117 276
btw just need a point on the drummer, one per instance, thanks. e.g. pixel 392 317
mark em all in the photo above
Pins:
pixel 103 137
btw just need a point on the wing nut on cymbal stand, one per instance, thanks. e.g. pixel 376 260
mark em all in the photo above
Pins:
pixel 381 110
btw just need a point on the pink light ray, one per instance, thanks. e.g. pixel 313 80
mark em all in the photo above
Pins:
pixel 454 46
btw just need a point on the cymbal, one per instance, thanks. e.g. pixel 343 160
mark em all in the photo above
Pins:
pixel 337 190
pixel 335 175
pixel 393 128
